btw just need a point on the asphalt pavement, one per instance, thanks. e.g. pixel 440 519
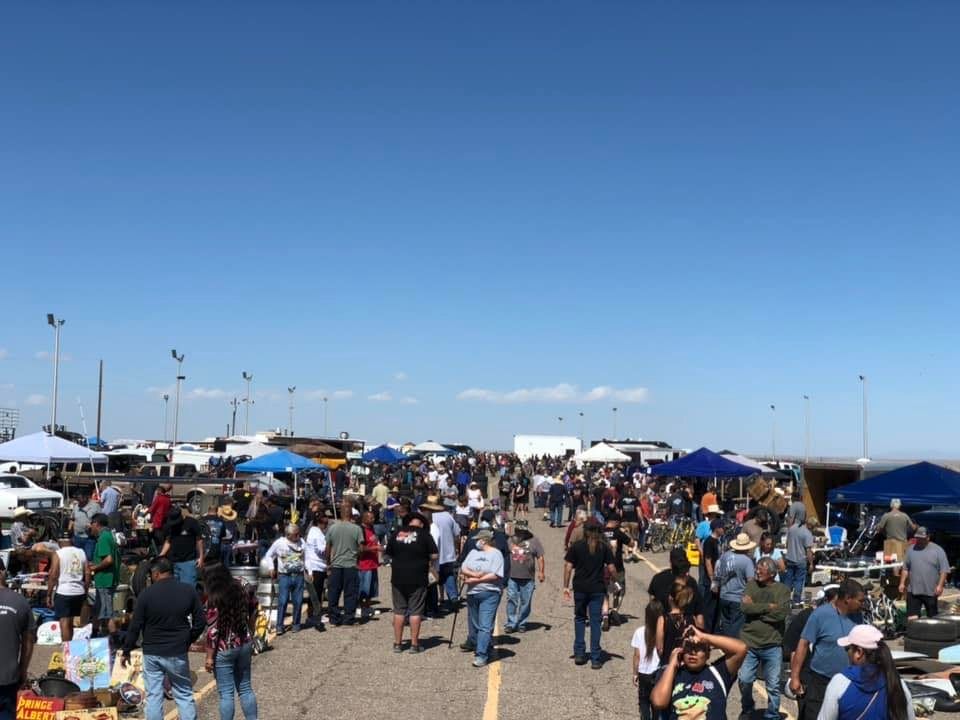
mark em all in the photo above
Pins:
pixel 353 671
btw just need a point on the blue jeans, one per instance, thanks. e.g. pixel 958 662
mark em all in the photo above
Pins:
pixel 448 578
pixel 587 605
pixel 556 515
pixel 226 550
pixel 481 614
pixel 232 671
pixel 8 701
pixel 708 601
pixel 795 577
pixel 186 572
pixel 87 544
pixel 290 589
pixel 177 670
pixel 519 601
pixel 770 658
pixel 730 620
pixel 346 581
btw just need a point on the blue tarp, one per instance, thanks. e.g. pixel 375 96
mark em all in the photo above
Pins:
pixel 920 484
pixel 279 461
pixel 703 463
pixel 384 454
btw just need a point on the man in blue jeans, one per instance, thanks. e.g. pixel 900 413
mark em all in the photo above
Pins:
pixel 586 561
pixel 344 543
pixel 766 605
pixel 556 499
pixel 286 555
pixel 799 556
pixel 526 563
pixel 169 615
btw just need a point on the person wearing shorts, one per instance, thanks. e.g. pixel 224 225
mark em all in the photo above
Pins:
pixel 412 551
pixel 69 579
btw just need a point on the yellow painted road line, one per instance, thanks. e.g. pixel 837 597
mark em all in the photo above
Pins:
pixel 492 706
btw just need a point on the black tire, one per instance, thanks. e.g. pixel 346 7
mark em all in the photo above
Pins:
pixel 932 629
pixel 929 648
pixel 140 579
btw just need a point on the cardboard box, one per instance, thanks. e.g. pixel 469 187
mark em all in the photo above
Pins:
pixel 31 706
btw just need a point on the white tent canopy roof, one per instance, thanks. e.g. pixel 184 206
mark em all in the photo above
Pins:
pixel 41 448
pixel 253 449
pixel 761 469
pixel 602 453
pixel 430 446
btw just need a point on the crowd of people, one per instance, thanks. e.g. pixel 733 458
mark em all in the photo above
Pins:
pixel 458 535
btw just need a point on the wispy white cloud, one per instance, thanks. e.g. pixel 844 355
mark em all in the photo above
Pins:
pixel 380 397
pixel 342 394
pixel 6 386
pixel 47 355
pixel 36 399
pixel 4 353
pixel 400 375
pixel 323 393
pixel 202 393
pixel 408 400
pixel 560 393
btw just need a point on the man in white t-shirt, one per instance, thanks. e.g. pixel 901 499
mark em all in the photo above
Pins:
pixel 69 579
pixel 445 532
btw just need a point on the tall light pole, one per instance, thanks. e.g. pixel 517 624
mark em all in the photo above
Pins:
pixel 773 433
pixel 290 425
pixel 233 416
pixel 166 409
pixel 176 408
pixel 581 430
pixel 325 417
pixel 614 423
pixel 56 325
pixel 246 410
pixel 806 428
pixel 863 397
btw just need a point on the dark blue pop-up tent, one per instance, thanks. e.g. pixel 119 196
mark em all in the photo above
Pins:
pixel 703 463
pixel 383 454
pixel 920 484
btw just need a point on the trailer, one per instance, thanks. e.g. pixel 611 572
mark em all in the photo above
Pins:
pixel 527 446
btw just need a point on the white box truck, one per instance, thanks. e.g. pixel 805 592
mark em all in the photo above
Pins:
pixel 526 446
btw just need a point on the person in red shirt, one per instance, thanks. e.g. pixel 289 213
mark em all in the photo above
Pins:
pixel 368 564
pixel 159 509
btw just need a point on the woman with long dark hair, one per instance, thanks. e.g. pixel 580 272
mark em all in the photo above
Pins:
pixel 871 688
pixel 672 626
pixel 646 661
pixel 231 618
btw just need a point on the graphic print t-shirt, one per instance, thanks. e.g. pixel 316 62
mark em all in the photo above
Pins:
pixel 410 549
pixel 702 695
pixel 523 555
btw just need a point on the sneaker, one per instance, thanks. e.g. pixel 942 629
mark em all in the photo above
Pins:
pixel 605 625
pixel 509 629
pixel 479 662
pixel 320 627
pixel 281 631
pixel 596 665
pixel 522 628
pixel 580 660
pixel 416 649
pixel 467 646
pixel 398 647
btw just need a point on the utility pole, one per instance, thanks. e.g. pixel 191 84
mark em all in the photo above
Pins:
pixel 325 417
pixel 773 435
pixel 100 402
pixel 806 428
pixel 581 430
pixel 56 325
pixel 166 408
pixel 176 409
pixel 246 411
pixel 290 424
pixel 233 421
pixel 614 423
pixel 863 396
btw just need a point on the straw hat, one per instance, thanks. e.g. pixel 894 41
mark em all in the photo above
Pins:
pixel 227 513
pixel 432 503
pixel 22 512
pixel 742 543
pixel 713 510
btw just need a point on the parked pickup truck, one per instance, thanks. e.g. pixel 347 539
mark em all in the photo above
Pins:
pixel 188 486
pixel 17 491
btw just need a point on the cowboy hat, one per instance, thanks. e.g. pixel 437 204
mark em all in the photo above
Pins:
pixel 227 513
pixel 742 543
pixel 22 512
pixel 432 503
pixel 713 509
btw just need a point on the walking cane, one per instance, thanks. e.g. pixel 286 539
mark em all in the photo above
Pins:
pixel 456 614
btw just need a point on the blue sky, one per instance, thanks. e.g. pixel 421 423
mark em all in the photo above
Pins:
pixel 493 214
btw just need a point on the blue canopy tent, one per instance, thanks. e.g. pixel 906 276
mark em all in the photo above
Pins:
pixel 383 454
pixel 703 463
pixel 280 461
pixel 922 483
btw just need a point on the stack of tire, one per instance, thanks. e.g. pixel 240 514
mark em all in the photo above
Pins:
pixel 931 635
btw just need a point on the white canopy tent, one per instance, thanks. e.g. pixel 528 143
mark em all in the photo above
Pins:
pixel 430 447
pixel 602 453
pixel 253 449
pixel 42 449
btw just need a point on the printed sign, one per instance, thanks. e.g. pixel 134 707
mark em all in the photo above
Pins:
pixel 33 707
